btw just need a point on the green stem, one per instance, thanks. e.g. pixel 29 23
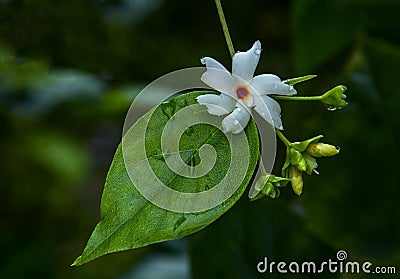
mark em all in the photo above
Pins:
pixel 298 98
pixel 283 138
pixel 225 28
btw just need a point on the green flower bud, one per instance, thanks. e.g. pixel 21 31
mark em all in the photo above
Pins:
pixel 302 165
pixel 295 156
pixel 300 158
pixel 322 150
pixel 270 191
pixel 334 98
pixel 296 159
pixel 268 185
pixel 296 180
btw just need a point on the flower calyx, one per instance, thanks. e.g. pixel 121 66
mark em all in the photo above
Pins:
pixel 335 98
pixel 268 186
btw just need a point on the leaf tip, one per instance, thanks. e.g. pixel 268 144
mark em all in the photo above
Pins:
pixel 77 262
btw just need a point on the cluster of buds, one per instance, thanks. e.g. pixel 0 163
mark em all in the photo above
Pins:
pixel 300 158
pixel 268 186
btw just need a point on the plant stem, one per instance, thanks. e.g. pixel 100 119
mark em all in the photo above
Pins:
pixel 225 28
pixel 283 138
pixel 298 98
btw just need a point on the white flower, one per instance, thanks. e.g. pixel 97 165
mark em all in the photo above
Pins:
pixel 241 91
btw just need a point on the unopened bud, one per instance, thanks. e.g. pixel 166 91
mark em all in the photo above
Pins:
pixel 296 179
pixel 268 185
pixel 302 165
pixel 270 191
pixel 322 150
pixel 334 98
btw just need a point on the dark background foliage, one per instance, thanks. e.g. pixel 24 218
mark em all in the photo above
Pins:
pixel 69 70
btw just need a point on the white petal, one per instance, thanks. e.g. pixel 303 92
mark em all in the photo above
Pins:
pixel 269 109
pixel 217 76
pixel 236 121
pixel 271 85
pixel 249 102
pixel 217 104
pixel 244 64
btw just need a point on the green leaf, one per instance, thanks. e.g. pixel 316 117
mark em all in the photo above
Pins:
pixel 128 220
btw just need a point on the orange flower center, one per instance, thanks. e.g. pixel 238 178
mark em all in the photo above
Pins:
pixel 242 92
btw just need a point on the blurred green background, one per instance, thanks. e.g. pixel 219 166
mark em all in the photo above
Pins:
pixel 70 69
